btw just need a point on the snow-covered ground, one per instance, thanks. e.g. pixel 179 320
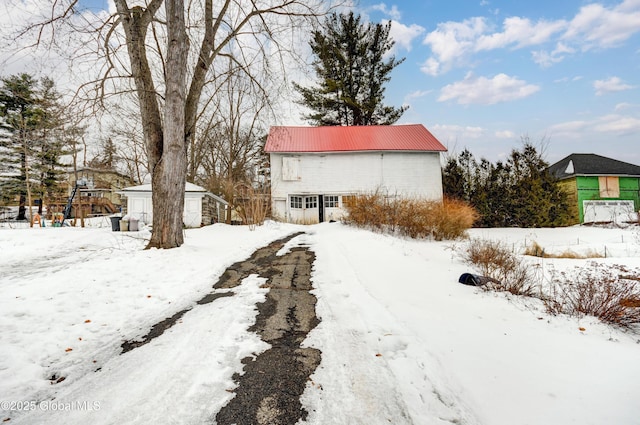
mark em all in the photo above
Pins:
pixel 402 342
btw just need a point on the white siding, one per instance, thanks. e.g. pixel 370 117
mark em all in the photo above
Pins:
pixel 140 206
pixel 192 215
pixel 408 174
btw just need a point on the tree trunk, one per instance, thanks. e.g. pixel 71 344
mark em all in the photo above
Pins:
pixel 168 176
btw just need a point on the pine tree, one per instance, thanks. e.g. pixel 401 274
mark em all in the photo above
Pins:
pixel 352 72
pixel 520 192
pixel 29 149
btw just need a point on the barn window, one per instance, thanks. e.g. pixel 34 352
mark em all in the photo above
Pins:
pixel 311 202
pixel 296 202
pixel 331 201
pixel 290 168
pixel 609 187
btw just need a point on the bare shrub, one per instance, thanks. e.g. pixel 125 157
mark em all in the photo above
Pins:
pixel 252 205
pixel 507 271
pixel 610 293
pixel 416 218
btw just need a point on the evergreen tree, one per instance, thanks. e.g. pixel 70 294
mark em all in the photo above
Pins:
pixel 520 192
pixel 352 72
pixel 51 143
pixel 29 149
pixel 453 179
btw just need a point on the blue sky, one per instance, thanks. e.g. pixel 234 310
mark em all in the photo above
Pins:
pixel 482 73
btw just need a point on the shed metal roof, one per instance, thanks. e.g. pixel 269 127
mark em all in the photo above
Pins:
pixel 413 137
pixel 589 164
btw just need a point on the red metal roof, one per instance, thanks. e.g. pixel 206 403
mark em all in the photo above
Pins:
pixel 414 137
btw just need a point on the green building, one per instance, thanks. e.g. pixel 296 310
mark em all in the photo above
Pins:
pixel 603 189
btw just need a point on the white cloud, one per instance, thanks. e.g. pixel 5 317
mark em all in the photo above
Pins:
pixel 613 84
pixel 451 42
pixel 485 91
pixel 520 32
pixel 416 95
pixel 598 26
pixel 454 133
pixel 393 13
pixel 569 127
pixel 618 124
pixel 505 134
pixel 404 35
pixel 594 25
pixel 431 67
pixel 545 59
pixel 624 105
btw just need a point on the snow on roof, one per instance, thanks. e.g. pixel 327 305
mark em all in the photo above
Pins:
pixel 413 137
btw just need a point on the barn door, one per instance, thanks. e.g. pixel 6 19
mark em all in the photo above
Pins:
pixel 311 214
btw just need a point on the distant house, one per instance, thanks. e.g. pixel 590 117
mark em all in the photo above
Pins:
pixel 95 192
pixel 99 182
pixel 316 170
pixel 201 208
pixel 603 189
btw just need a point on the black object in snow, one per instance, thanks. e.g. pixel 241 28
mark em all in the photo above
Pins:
pixel 473 279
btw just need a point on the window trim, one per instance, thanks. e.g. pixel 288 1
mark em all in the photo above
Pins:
pixel 331 201
pixel 295 202
pixel 311 202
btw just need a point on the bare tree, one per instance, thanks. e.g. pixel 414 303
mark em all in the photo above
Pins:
pixel 230 140
pixel 169 57
pixel 238 30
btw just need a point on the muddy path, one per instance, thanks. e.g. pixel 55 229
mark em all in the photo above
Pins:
pixel 271 384
pixel 269 390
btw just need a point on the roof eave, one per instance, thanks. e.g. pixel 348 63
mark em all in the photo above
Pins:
pixel 361 150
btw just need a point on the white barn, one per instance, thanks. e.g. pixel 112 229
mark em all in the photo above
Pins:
pixel 315 169
pixel 200 207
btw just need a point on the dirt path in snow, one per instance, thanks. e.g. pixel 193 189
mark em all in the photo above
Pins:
pixel 269 390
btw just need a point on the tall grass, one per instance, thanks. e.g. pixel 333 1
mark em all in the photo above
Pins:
pixel 535 250
pixel 416 218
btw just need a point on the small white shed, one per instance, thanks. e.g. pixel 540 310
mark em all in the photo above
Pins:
pixel 200 207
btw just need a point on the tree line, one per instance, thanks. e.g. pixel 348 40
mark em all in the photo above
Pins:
pixel 518 192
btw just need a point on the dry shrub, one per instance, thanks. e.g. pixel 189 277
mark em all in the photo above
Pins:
pixel 535 250
pixel 609 293
pixel 367 210
pixel 416 218
pixel 252 205
pixel 452 218
pixel 507 271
